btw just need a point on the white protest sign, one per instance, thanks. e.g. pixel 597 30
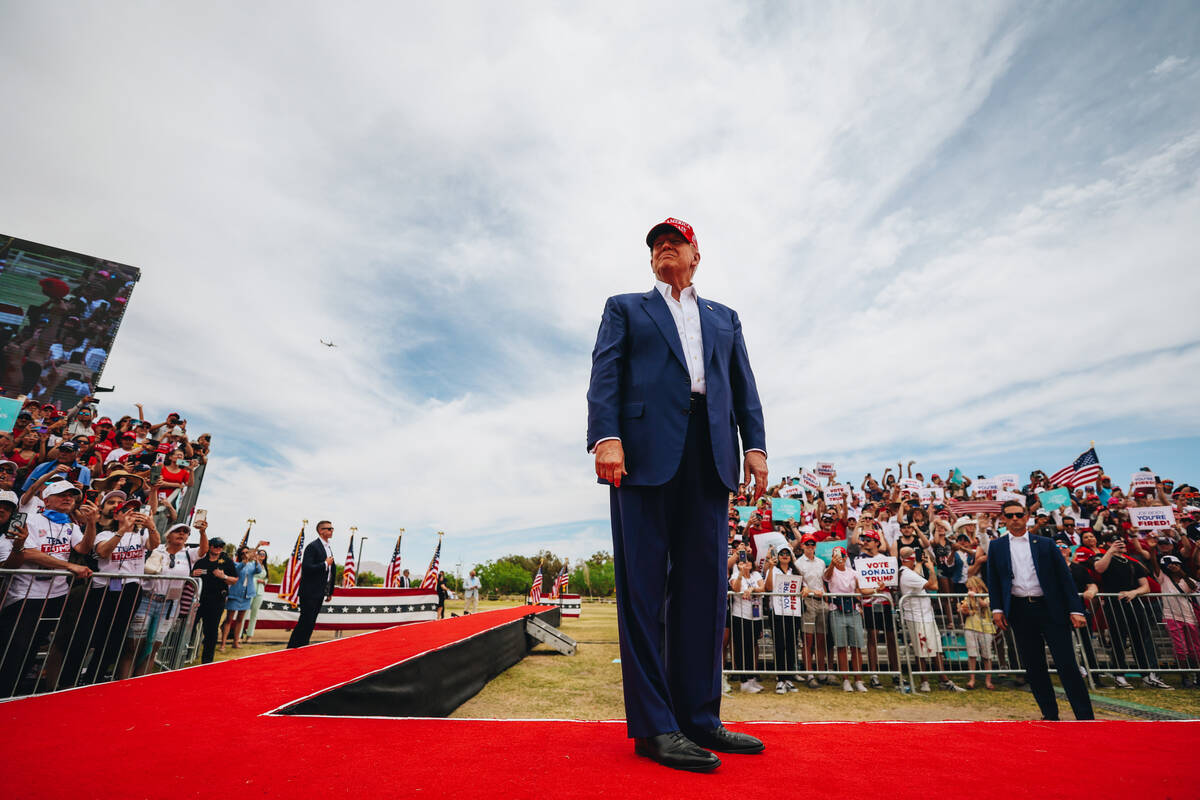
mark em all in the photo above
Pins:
pixel 790 604
pixel 763 542
pixel 912 484
pixel 1142 480
pixel 835 493
pixel 925 495
pixel 825 469
pixel 987 486
pixel 877 571
pixel 791 491
pixel 810 480
pixel 1005 496
pixel 1007 481
pixel 1152 517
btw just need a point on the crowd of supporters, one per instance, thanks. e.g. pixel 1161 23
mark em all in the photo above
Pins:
pixel 812 618
pixel 82 494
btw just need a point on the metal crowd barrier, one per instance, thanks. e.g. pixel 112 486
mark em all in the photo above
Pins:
pixel 795 637
pixel 953 634
pixel 58 631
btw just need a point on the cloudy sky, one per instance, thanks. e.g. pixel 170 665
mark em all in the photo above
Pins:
pixel 957 233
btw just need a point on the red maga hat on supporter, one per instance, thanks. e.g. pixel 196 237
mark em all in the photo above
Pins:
pixel 1083 553
pixel 869 535
pixel 809 540
pixel 104 421
pixel 670 223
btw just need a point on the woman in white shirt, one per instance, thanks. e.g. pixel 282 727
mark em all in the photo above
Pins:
pixel 747 622
pixel 122 551
pixel 159 605
pixel 784 582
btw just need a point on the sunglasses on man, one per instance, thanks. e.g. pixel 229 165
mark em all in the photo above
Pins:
pixel 1010 515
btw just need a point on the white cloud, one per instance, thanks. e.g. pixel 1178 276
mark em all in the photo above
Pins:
pixel 1168 65
pixel 391 177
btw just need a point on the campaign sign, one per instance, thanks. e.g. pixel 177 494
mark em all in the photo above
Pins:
pixel 1004 496
pixel 744 513
pixel 1055 498
pixel 825 469
pixel 785 508
pixel 931 494
pixel 1142 480
pixel 791 490
pixel 987 486
pixel 835 493
pixel 9 408
pixel 1152 517
pixel 810 480
pixel 789 604
pixel 912 484
pixel 1007 481
pixel 877 571
pixel 763 542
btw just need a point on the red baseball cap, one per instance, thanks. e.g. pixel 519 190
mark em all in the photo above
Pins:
pixel 675 225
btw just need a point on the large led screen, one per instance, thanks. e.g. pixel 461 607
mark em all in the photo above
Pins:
pixel 59 314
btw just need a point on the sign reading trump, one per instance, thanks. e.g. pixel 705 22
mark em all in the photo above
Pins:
pixel 877 571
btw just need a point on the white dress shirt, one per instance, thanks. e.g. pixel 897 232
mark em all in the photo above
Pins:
pixel 1024 575
pixel 686 314
pixel 328 554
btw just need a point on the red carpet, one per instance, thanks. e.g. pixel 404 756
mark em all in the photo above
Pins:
pixel 202 732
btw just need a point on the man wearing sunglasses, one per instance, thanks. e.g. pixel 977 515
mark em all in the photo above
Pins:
pixel 1033 592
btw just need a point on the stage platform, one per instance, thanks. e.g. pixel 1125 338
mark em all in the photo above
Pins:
pixel 246 728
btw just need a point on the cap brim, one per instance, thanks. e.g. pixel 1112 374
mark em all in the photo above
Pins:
pixel 659 228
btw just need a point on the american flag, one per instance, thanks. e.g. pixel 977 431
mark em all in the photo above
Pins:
pixel 289 588
pixel 535 592
pixel 392 577
pixel 431 574
pixel 349 576
pixel 1080 472
pixel 560 583
pixel 975 506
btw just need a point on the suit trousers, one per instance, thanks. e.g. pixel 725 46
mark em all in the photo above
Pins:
pixel 309 608
pixel 670 547
pixel 1033 630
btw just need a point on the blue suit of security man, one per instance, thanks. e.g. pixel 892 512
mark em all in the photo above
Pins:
pixel 671 388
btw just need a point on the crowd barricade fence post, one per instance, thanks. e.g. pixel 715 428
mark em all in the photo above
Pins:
pixel 944 631
pixel 775 643
pixel 59 631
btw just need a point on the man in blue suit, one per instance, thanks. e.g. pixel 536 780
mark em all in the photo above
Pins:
pixel 1032 591
pixel 671 387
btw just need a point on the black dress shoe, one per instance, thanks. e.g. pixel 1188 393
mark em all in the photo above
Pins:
pixel 724 740
pixel 676 751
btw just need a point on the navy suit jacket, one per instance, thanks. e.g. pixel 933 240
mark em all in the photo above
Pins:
pixel 316 582
pixel 640 388
pixel 1058 587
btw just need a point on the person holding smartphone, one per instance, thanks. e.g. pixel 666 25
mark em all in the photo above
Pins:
pixel 1128 614
pixel 747 624
pixel 12 540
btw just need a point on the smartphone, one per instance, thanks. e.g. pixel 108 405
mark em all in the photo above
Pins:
pixel 742 556
pixel 16 521
pixel 90 495
pixel 144 510
pixel 200 515
pixel 156 472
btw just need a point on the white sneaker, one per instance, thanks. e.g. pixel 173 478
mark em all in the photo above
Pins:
pixel 791 687
pixel 924 686
pixel 1122 683
pixel 726 689
pixel 752 686
pixel 780 687
pixel 859 686
pixel 846 687
pixel 1155 682
pixel 951 686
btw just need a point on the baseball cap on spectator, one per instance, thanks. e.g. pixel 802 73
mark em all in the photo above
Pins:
pixel 68 447
pixel 4 461
pixel 672 224
pixel 869 535
pixel 179 526
pixel 10 498
pixel 1084 553
pixel 217 542
pixel 58 487
pixel 1114 501
pixel 104 421
pixel 114 493
pixel 808 540
pixel 128 504
pixel 24 415
pixel 1165 560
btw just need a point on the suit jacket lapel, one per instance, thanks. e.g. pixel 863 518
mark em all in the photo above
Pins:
pixel 708 333
pixel 656 307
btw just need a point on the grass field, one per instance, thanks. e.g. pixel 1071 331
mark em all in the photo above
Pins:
pixel 587 685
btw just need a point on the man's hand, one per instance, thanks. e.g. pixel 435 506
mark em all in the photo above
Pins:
pixel 756 467
pixel 1078 620
pixel 329 561
pixel 219 573
pixel 1000 620
pixel 610 461
pixel 79 570
pixel 201 525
